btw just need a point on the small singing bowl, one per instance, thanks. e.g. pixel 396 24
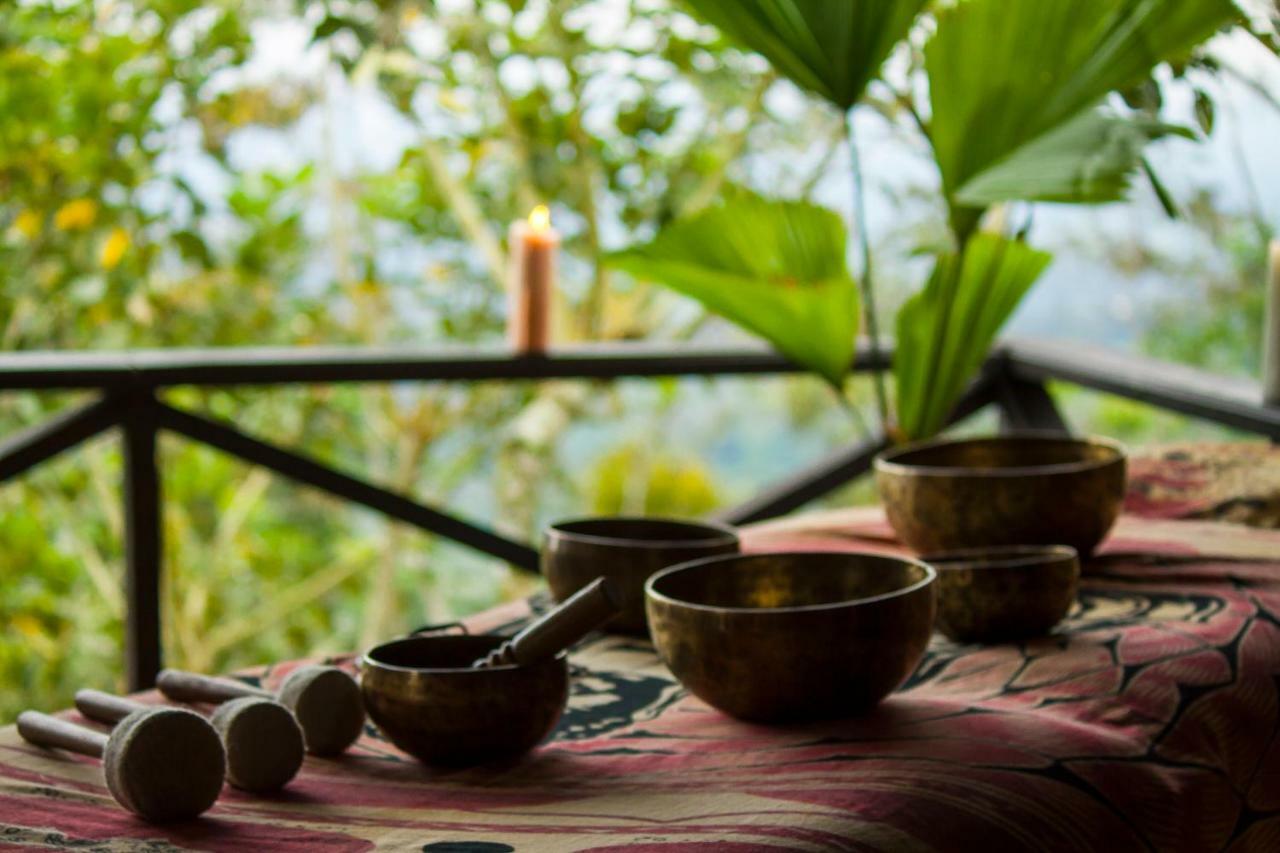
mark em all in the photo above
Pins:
pixel 422 694
pixel 792 636
pixel 1010 490
pixel 1010 593
pixel 628 551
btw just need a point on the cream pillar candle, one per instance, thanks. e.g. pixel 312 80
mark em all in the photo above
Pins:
pixel 534 244
pixel 1271 331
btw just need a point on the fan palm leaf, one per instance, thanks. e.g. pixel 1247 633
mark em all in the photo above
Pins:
pixel 830 47
pixel 775 268
pixel 1089 159
pixel 945 330
pixel 1003 74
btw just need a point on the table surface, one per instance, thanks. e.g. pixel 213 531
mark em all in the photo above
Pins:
pixel 1147 721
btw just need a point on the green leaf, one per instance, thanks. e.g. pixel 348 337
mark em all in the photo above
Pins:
pixel 1089 159
pixel 334 24
pixel 1003 73
pixel 946 330
pixel 1163 195
pixel 193 247
pixel 776 268
pixel 830 47
pixel 1205 111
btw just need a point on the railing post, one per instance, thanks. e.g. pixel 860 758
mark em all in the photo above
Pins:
pixel 142 545
pixel 1024 404
pixel 1029 406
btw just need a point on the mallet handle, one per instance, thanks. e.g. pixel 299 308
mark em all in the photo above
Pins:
pixel 43 730
pixel 559 629
pixel 190 687
pixel 104 707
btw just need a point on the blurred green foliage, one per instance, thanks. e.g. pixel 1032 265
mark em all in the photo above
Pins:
pixel 141 206
pixel 168 179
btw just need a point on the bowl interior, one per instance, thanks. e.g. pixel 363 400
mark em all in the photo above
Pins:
pixel 1005 455
pixel 644 532
pixel 434 653
pixel 798 580
pixel 1008 557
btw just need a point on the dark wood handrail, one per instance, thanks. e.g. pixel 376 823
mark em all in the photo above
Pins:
pixel 1230 401
pixel 130 387
pixel 154 369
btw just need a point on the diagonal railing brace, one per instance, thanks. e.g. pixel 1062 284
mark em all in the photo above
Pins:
pixel 302 469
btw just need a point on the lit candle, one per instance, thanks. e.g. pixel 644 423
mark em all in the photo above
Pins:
pixel 533 271
pixel 1271 333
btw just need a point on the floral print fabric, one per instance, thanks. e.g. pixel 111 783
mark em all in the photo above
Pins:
pixel 1148 720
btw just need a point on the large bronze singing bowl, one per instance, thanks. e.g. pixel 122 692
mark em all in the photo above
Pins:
pixel 628 551
pixel 1010 490
pixel 421 693
pixel 1009 593
pixel 795 636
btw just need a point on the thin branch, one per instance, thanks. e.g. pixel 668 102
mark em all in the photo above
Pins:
pixel 1256 207
pixel 467 211
pixel 281 603
pixel 709 187
pixel 851 410
pixel 587 167
pixel 868 278
pixel 834 144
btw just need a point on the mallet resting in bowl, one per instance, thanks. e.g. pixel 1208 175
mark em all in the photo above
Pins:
pixel 262 740
pixel 466 699
pixel 324 699
pixel 162 764
pixel 557 630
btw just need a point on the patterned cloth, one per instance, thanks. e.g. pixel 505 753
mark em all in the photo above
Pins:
pixel 1147 721
pixel 1229 481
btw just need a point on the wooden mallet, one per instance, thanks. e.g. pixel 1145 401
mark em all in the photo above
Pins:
pixel 558 629
pixel 324 699
pixel 162 764
pixel 262 740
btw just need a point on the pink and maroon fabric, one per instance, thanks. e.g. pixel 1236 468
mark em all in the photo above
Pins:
pixel 1147 721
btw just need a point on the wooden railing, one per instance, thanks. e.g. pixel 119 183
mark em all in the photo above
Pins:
pixel 130 395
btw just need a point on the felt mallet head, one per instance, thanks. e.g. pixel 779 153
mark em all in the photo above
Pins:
pixel 263 741
pixel 327 704
pixel 162 764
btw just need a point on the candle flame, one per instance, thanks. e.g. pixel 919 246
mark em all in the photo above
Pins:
pixel 540 218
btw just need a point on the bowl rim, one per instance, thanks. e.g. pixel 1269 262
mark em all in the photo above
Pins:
pixel 366 660
pixel 718 536
pixel 888 461
pixel 1000 557
pixel 930 576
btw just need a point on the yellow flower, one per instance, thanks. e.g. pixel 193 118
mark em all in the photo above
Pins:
pixel 27 223
pixel 76 214
pixel 117 243
pixel 27 625
pixel 450 101
pixel 34 635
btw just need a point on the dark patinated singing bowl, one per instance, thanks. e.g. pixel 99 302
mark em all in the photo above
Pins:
pixel 1009 490
pixel 1009 593
pixel 794 636
pixel 628 551
pixel 421 693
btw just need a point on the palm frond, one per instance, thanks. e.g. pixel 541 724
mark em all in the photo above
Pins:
pixel 830 47
pixel 1089 159
pixel 945 330
pixel 1003 74
pixel 776 268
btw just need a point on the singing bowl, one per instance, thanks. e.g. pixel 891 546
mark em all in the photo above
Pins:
pixel 1008 490
pixel 422 694
pixel 628 551
pixel 1010 593
pixel 792 636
